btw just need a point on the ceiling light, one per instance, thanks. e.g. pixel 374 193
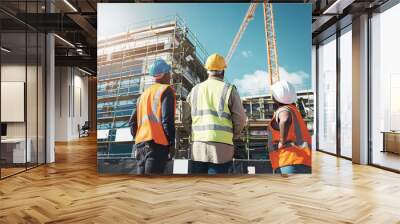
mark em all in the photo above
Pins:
pixel 5 50
pixel 337 7
pixel 86 72
pixel 70 5
pixel 326 11
pixel 64 40
pixel 79 51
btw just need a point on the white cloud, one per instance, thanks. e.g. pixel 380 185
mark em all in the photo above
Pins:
pixel 257 83
pixel 247 54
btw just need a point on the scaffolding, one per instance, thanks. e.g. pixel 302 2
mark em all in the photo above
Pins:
pixel 123 62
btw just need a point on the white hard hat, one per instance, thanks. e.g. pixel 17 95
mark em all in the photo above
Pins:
pixel 284 92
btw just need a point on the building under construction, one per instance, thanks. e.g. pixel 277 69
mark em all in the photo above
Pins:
pixel 259 108
pixel 123 62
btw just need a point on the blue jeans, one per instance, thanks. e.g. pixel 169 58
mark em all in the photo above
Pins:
pixel 294 169
pixel 210 168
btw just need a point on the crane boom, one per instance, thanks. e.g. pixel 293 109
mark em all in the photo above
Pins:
pixel 270 40
pixel 248 17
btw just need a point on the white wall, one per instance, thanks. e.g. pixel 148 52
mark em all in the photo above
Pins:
pixel 80 110
pixel 71 102
pixel 61 103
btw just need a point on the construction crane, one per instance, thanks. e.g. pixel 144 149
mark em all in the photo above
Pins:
pixel 270 38
pixel 247 18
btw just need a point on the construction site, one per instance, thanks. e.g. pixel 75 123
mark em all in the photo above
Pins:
pixel 123 62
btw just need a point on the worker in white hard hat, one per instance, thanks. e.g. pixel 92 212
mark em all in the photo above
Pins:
pixel 217 118
pixel 289 145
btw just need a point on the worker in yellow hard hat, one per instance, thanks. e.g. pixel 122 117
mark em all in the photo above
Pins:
pixel 215 63
pixel 217 117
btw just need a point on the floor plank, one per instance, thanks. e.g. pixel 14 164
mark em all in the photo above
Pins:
pixel 71 191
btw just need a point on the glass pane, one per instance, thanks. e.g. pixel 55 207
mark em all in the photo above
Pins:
pixel 41 98
pixel 327 96
pixel 385 89
pixel 31 97
pixel 346 94
pixel 13 86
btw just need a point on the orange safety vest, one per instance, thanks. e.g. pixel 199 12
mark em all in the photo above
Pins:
pixel 149 117
pixel 297 149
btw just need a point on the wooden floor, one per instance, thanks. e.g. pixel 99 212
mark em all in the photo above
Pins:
pixel 71 191
pixel 10 171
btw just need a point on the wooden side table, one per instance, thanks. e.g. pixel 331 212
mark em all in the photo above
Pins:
pixel 391 141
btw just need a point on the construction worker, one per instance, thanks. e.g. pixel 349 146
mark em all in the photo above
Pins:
pixel 217 117
pixel 289 146
pixel 153 122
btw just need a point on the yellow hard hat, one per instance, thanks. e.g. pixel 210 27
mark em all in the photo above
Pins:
pixel 215 63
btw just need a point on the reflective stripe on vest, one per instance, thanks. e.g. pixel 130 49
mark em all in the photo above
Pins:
pixel 211 112
pixel 149 115
pixel 152 114
pixel 211 118
pixel 211 127
pixel 297 148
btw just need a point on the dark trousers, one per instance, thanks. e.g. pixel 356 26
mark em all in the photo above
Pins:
pixel 151 157
pixel 293 169
pixel 210 168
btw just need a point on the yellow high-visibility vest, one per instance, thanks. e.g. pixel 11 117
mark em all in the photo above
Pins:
pixel 211 118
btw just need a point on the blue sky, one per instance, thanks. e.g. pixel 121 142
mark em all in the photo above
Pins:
pixel 215 25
